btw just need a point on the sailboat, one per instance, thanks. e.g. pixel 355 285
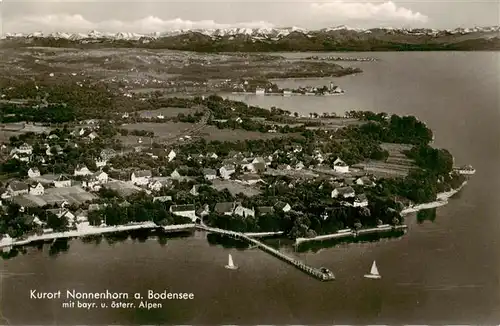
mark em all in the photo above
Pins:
pixel 373 272
pixel 230 264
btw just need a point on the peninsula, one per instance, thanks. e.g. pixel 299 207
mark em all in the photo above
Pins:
pixel 67 169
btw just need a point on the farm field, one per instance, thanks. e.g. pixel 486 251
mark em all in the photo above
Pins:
pixel 211 133
pixel 235 187
pixel 169 112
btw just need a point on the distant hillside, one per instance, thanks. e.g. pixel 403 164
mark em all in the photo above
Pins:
pixel 275 40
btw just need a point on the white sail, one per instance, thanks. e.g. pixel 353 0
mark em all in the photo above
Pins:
pixel 230 263
pixel 374 274
pixel 374 270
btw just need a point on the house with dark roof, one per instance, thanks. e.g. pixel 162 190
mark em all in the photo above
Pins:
pixel 62 181
pixel 360 201
pixel 226 208
pixel 243 211
pixel 258 167
pixel 340 166
pixel 203 211
pixel 62 212
pixel 82 170
pixel 17 188
pixel 250 179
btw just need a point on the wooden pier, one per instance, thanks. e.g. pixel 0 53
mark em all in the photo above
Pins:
pixel 321 274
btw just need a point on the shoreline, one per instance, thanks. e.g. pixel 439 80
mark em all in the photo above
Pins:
pixel 98 230
pixel 85 230
pixel 81 232
pixel 441 200
pixel 286 95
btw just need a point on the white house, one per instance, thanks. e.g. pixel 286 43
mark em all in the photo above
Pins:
pixel 282 206
pixel 162 199
pixel 38 190
pixel 24 149
pixel 210 174
pixel 82 170
pixel 33 172
pixel 176 175
pixel 62 181
pixel 22 158
pixel 141 178
pixel 171 155
pixel 92 136
pixel 340 166
pixel 345 192
pixel 365 181
pixel 244 212
pixel 184 210
pixel 155 185
pixel 227 170
pixel 81 215
pixel 360 201
pixel 100 176
pixel 212 155
pixel 194 190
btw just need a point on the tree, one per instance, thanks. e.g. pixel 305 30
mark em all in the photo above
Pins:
pixel 58 224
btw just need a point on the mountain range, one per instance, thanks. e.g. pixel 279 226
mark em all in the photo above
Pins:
pixel 341 38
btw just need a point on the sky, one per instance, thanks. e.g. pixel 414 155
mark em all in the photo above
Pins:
pixel 22 16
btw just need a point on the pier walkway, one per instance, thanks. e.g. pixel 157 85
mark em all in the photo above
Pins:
pixel 321 274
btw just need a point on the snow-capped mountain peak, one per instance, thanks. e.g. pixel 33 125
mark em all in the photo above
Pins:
pixel 273 33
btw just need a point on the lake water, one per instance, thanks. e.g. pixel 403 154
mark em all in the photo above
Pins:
pixel 446 271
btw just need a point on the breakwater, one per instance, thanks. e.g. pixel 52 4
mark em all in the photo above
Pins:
pixel 352 233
